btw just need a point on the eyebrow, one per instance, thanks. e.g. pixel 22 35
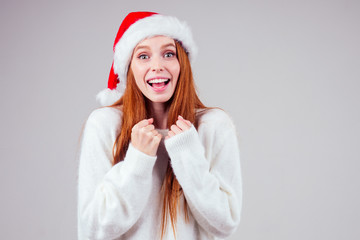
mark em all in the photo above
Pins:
pixel 140 47
pixel 147 47
pixel 168 45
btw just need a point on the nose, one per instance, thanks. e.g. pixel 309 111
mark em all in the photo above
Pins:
pixel 156 65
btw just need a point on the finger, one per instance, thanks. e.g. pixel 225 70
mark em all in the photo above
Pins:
pixel 157 139
pixel 186 121
pixel 175 129
pixel 149 136
pixel 141 124
pixel 171 134
pixel 148 128
pixel 182 125
pixel 154 132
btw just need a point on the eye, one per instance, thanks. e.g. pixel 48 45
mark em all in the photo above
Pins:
pixel 169 54
pixel 143 56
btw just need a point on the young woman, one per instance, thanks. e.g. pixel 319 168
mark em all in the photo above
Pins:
pixel 156 163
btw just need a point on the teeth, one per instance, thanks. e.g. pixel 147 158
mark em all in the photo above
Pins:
pixel 157 80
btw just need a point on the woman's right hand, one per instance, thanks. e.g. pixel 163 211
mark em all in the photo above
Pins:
pixel 145 138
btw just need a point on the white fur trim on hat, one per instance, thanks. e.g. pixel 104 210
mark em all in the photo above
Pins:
pixel 107 96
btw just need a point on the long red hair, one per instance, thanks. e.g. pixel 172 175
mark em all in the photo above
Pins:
pixel 184 102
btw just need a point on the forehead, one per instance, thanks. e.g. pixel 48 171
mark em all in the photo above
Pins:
pixel 156 41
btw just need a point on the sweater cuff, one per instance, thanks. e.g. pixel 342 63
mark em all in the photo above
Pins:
pixel 185 141
pixel 138 162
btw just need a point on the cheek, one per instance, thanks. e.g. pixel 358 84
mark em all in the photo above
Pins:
pixel 138 73
pixel 175 70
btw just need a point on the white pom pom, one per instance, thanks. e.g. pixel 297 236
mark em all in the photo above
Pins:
pixel 107 97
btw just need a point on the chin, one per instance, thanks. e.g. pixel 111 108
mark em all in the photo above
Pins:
pixel 159 99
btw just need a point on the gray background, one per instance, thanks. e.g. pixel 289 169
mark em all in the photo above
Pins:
pixel 286 71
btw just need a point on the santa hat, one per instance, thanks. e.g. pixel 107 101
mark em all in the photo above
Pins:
pixel 136 27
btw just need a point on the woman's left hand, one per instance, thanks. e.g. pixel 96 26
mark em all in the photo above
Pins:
pixel 181 126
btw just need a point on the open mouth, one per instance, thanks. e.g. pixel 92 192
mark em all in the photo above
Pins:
pixel 158 83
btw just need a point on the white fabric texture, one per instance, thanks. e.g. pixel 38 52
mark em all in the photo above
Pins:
pixel 124 201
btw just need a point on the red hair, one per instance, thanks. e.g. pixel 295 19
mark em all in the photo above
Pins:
pixel 184 102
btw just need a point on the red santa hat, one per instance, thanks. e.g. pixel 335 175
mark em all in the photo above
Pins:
pixel 136 27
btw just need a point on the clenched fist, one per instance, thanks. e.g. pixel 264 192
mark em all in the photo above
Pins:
pixel 145 138
pixel 180 126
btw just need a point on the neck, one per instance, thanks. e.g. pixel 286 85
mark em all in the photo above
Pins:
pixel 159 111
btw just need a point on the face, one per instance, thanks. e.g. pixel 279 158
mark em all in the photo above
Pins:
pixel 156 68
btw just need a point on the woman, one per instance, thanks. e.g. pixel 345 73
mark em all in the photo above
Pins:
pixel 156 163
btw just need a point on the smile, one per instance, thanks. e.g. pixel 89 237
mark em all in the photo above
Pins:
pixel 158 84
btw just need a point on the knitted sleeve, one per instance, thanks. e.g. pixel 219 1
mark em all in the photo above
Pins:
pixel 110 198
pixel 207 166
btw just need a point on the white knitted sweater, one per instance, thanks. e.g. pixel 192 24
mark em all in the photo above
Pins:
pixel 125 201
